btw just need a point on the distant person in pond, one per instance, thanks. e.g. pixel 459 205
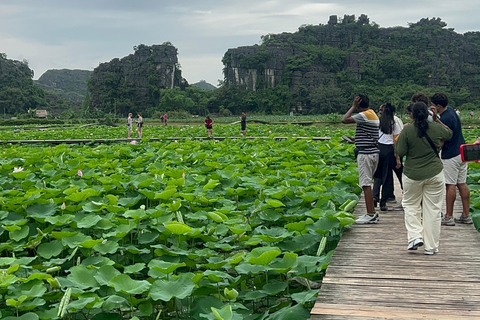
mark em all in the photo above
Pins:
pixel 129 125
pixel 243 123
pixel 423 178
pixel 165 119
pixel 139 125
pixel 208 125
pixel 366 138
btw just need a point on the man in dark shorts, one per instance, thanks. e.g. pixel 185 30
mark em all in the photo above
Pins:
pixel 243 122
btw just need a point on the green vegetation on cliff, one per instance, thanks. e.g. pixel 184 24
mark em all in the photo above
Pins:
pixel 325 65
pixel 18 94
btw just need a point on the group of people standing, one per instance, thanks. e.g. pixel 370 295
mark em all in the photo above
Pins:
pixel 139 123
pixel 208 124
pixel 426 177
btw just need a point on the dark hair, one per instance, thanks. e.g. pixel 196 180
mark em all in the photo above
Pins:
pixel 440 98
pixel 208 117
pixel 386 119
pixel 409 107
pixel 419 96
pixel 420 116
pixel 365 103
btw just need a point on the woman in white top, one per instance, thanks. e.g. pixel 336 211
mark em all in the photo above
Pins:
pixel 387 134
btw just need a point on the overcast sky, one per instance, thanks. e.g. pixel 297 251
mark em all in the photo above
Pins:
pixel 80 34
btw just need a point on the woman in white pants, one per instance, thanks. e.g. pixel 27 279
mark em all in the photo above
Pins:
pixel 423 181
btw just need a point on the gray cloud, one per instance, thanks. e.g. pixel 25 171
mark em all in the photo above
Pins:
pixel 55 34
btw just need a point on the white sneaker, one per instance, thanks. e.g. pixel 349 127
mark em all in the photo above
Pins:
pixel 414 244
pixel 430 252
pixel 368 219
pixel 397 207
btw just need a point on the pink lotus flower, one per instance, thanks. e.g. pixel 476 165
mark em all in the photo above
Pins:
pixel 80 173
pixel 183 175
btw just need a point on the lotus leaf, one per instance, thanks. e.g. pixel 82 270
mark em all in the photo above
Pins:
pixel 165 290
pixel 285 264
pixel 274 288
pixel 125 284
pixel 177 227
pixel 225 313
pixel 83 277
pixel 262 255
pixel 105 274
pixel 247 268
pixel 50 249
pixel 60 220
pixel 7 279
pixel 211 184
pixel 32 289
pixel 164 266
pixel 20 234
pixel 169 192
pixel 137 267
pixel 75 240
pixel 114 302
pixel 88 222
pixel 106 247
pixel 297 312
pixel 255 295
pixel 26 316
pixel 129 201
pixel 138 214
pixel 296 226
pixel 275 203
pixel 83 195
pixel 305 296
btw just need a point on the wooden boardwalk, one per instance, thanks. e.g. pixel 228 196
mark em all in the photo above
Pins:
pixel 373 276
pixel 85 141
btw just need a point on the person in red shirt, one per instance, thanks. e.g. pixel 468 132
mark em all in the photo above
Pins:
pixel 208 125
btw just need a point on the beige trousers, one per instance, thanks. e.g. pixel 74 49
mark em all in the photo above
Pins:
pixel 422 202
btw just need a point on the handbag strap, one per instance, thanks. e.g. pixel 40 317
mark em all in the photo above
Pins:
pixel 431 144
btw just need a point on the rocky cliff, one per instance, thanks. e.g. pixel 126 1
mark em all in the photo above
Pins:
pixel 66 80
pixel 133 83
pixel 353 50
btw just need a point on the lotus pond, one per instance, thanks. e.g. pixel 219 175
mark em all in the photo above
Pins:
pixel 233 229
pixel 237 229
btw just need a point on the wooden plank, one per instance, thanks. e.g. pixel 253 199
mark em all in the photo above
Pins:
pixel 392 312
pixel 84 141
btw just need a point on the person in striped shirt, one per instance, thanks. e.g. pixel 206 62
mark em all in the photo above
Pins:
pixel 366 139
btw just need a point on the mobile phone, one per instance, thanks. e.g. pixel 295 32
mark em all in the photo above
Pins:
pixel 347 139
pixel 470 152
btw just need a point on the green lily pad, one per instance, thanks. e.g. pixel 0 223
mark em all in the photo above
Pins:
pixel 50 249
pixel 165 290
pixel 83 277
pixel 177 228
pixel 164 266
pixel 123 283
pixel 262 255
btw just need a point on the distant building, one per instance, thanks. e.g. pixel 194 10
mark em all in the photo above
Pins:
pixel 41 113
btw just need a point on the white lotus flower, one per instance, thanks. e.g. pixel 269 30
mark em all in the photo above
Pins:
pixel 19 169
